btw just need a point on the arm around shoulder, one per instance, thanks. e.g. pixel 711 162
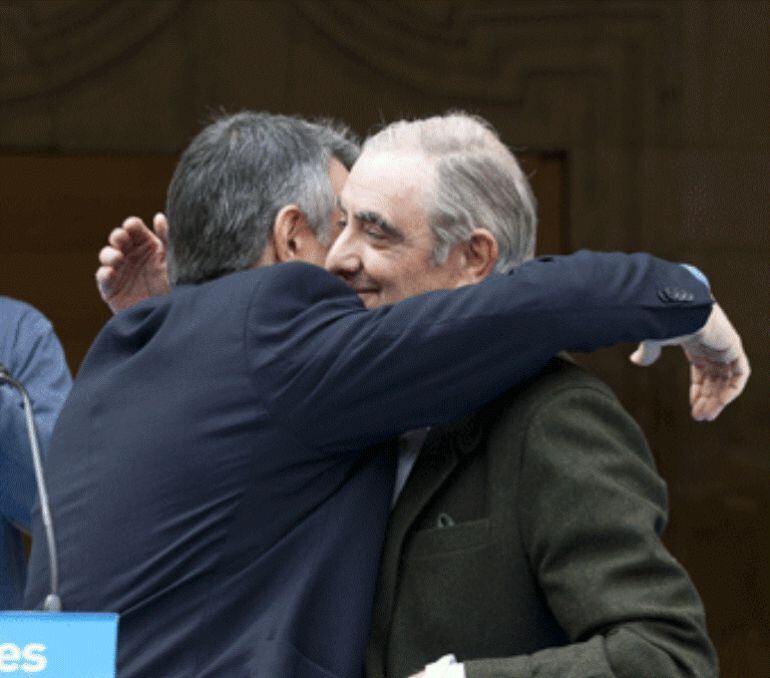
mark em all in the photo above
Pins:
pixel 361 376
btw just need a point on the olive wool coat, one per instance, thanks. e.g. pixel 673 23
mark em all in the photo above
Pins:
pixel 526 541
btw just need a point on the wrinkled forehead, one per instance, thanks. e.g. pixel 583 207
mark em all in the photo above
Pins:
pixel 394 183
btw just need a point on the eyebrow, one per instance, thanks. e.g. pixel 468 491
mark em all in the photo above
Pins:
pixel 370 217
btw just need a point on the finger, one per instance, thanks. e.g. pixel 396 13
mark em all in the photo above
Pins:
pixel 704 410
pixel 119 238
pixel 133 224
pixel 733 381
pixel 104 278
pixel 696 383
pixel 105 274
pixel 716 391
pixel 160 225
pixel 109 256
pixel 702 392
pixel 646 354
pixel 741 373
pixel 139 233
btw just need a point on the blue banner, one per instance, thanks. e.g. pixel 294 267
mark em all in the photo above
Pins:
pixel 58 644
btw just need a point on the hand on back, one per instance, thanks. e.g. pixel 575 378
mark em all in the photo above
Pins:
pixel 133 264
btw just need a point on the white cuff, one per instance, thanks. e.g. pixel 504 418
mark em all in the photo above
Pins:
pixel 446 667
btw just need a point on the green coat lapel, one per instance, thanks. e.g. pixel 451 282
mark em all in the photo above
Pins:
pixel 440 454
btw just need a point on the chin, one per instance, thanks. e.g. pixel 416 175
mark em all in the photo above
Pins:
pixel 371 299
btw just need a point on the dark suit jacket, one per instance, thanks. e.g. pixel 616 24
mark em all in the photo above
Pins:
pixel 205 475
pixel 527 542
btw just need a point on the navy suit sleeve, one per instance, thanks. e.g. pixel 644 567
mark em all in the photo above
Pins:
pixel 343 377
pixel 34 357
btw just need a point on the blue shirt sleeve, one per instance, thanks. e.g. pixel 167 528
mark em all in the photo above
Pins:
pixel 33 355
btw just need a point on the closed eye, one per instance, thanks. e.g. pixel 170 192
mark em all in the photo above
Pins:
pixel 379 228
pixel 374 232
pixel 343 220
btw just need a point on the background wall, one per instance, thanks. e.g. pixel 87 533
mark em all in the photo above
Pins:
pixel 651 116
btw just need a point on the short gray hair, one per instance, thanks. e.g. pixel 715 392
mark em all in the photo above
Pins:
pixel 235 177
pixel 478 183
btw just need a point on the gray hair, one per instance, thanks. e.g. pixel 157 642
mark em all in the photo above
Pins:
pixel 235 177
pixel 478 183
pixel 338 139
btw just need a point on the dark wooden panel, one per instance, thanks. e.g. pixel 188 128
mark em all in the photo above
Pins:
pixel 55 215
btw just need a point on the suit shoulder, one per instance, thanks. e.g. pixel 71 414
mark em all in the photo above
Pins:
pixel 562 387
pixel 568 424
pixel 562 376
pixel 23 325
pixel 284 288
pixel 303 279
pixel 277 284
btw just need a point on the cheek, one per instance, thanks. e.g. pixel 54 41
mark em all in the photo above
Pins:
pixel 376 265
pixel 316 253
pixel 334 233
pixel 425 277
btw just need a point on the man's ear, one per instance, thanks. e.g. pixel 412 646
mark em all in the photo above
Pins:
pixel 479 254
pixel 290 233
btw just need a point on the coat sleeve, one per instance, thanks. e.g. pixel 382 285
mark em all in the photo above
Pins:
pixel 344 377
pixel 35 358
pixel 592 509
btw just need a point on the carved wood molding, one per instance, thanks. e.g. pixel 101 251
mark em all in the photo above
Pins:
pixel 619 58
pixel 48 46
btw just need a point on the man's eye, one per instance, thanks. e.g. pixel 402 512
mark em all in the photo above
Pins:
pixel 341 223
pixel 375 233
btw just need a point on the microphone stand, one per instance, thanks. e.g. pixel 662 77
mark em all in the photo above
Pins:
pixel 52 602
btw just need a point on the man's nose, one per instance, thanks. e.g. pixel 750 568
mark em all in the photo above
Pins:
pixel 343 258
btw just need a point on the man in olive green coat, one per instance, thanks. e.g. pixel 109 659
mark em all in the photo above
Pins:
pixel 526 542
pixel 526 539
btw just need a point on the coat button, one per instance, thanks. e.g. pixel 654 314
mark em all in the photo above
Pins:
pixel 671 294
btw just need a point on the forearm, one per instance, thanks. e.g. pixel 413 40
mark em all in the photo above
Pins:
pixel 397 367
pixel 622 652
pixel 17 486
pixel 37 362
pixel 577 302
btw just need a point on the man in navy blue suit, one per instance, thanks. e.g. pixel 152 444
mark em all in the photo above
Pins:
pixel 218 499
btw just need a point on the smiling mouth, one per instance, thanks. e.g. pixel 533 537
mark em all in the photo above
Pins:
pixel 367 296
pixel 357 287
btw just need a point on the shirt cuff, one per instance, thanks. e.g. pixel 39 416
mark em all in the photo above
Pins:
pixel 446 667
